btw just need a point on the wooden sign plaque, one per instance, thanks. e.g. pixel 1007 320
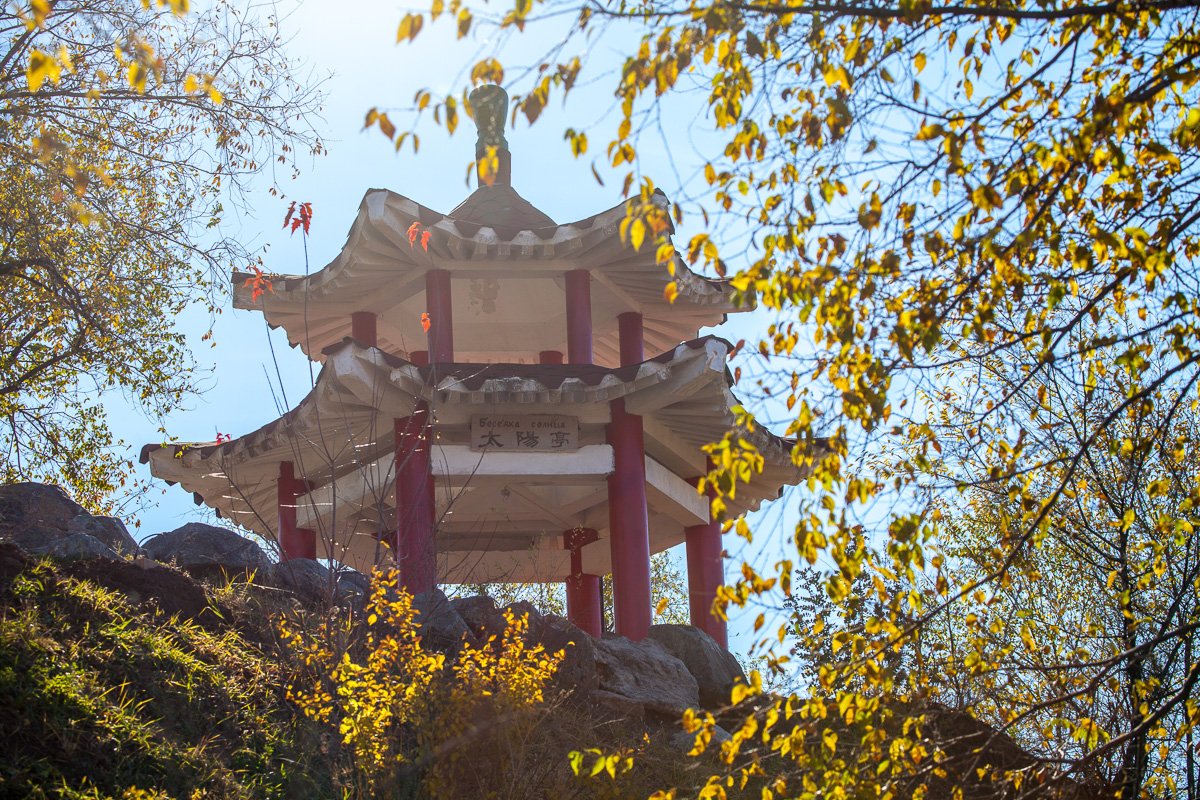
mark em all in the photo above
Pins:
pixel 554 433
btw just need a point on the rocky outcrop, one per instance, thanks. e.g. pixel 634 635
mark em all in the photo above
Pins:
pixel 480 614
pixel 353 585
pixel 645 672
pixel 714 668
pixel 440 626
pixel 75 547
pixel 34 515
pixel 621 677
pixel 577 672
pixel 677 667
pixel 305 577
pixel 684 741
pixel 109 530
pixel 42 519
pixel 205 548
pixel 313 582
pixel 607 706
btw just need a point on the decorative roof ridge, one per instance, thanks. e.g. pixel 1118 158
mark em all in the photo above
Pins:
pixel 209 448
pixel 552 378
pixel 460 239
pixel 499 207
pixel 626 375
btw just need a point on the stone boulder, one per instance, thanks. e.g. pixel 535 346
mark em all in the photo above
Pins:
pixel 440 626
pixel 109 530
pixel 480 614
pixel 35 515
pixel 200 547
pixel 523 608
pixel 608 707
pixel 75 547
pixel 714 668
pixel 646 673
pixel 353 585
pixel 305 577
pixel 577 671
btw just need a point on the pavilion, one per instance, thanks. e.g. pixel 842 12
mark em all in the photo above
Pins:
pixel 485 410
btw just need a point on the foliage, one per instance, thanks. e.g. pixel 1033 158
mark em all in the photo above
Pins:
pixel 991 207
pixel 124 129
pixel 1086 647
pixel 102 698
pixel 403 716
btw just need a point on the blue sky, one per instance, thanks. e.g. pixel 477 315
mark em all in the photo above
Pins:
pixel 355 54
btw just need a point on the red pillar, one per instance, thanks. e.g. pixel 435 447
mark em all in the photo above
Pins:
pixel 363 328
pixel 629 329
pixel 579 317
pixel 583 590
pixel 294 542
pixel 550 357
pixel 416 521
pixel 419 357
pixel 706 572
pixel 628 525
pixel 441 316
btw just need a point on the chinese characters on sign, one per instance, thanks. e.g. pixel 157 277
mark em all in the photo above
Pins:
pixel 539 432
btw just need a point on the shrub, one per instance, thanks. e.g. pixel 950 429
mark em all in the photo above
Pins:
pixel 396 716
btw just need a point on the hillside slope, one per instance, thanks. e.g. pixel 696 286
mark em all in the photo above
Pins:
pixel 113 678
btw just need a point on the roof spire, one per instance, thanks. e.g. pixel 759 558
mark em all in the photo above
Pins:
pixel 489 107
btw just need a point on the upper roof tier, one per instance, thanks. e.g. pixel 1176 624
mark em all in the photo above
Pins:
pixel 507 263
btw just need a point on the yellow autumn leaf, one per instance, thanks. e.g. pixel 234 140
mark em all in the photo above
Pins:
pixel 64 58
pixel 637 233
pixel 136 75
pixel 42 67
pixel 410 26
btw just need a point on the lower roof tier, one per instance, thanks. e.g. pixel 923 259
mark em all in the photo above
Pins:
pixel 502 504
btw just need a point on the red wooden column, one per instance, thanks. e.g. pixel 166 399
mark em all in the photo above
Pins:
pixel 706 572
pixel 363 326
pixel 441 316
pixel 416 522
pixel 583 590
pixel 627 517
pixel 579 317
pixel 294 542
pixel 629 329
pixel 628 524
